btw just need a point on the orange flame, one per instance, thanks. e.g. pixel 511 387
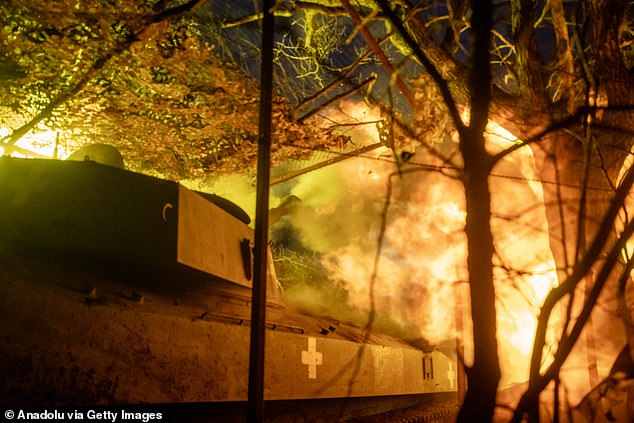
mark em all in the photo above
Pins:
pixel 423 252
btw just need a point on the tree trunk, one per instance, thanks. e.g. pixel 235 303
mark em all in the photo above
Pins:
pixel 484 375
pixel 572 226
pixel 579 168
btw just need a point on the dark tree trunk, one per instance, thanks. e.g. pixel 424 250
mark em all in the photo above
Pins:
pixel 573 214
pixel 484 375
pixel 579 167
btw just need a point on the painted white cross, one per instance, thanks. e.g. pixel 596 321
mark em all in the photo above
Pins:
pixel 312 358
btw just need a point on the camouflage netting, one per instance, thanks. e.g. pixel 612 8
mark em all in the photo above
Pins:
pixel 145 81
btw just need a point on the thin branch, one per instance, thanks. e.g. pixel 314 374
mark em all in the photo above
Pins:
pixel 540 381
pixel 387 65
pixel 368 82
pixel 442 84
pixel 340 157
pixel 537 380
pixel 341 79
pixel 573 119
pixel 564 51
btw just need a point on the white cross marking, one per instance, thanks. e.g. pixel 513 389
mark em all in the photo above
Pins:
pixel 312 358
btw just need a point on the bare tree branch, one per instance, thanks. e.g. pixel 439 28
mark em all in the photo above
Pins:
pixel 427 64
pixel 537 380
